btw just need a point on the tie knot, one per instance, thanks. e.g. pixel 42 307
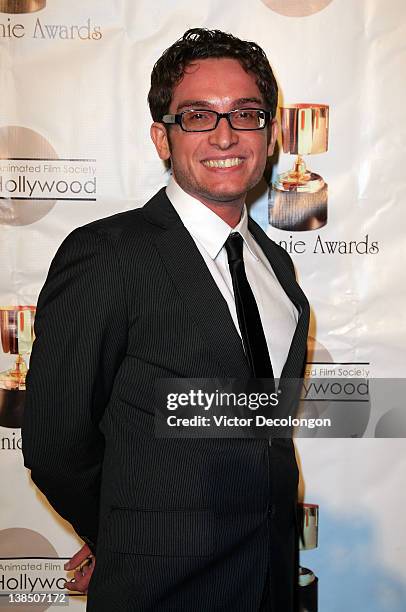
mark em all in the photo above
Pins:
pixel 234 246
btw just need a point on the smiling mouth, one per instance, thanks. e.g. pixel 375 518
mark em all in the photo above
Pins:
pixel 222 163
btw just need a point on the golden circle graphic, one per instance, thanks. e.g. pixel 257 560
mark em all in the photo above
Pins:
pixel 21 6
pixel 21 147
pixel 297 8
pixel 21 544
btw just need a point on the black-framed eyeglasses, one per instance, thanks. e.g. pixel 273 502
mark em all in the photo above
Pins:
pixel 200 120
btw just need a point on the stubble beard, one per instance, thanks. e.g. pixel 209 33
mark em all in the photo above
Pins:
pixel 196 188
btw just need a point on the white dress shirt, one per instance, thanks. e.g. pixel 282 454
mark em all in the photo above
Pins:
pixel 210 232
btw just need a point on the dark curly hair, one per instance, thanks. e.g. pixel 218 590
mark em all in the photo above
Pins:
pixel 200 43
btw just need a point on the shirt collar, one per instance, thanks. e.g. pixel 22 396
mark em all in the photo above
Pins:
pixel 203 224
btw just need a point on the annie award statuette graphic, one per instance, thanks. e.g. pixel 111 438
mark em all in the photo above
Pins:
pixel 21 6
pixel 308 582
pixel 17 336
pixel 298 198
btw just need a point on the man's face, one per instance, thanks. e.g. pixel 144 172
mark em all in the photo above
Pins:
pixel 221 85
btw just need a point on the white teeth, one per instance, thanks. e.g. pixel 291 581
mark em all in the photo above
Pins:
pixel 223 163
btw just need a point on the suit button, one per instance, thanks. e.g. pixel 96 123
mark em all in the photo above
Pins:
pixel 272 510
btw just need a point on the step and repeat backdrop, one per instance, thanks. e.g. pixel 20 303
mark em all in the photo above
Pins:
pixel 75 146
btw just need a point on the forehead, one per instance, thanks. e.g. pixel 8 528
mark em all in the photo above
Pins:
pixel 216 80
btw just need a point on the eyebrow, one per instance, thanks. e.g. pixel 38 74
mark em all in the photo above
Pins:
pixel 206 104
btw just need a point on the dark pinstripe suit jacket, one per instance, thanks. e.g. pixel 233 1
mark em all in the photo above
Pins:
pixel 190 524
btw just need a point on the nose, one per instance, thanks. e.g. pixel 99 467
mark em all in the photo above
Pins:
pixel 223 136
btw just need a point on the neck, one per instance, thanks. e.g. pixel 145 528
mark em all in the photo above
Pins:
pixel 229 212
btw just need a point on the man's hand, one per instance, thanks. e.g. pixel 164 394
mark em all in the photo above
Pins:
pixel 83 563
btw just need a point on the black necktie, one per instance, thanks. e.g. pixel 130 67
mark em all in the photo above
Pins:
pixel 249 320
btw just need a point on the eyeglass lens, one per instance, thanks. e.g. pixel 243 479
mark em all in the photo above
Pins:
pixel 243 119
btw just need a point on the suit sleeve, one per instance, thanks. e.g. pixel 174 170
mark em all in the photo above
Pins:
pixel 81 338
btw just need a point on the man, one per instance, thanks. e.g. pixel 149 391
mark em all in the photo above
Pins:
pixel 189 524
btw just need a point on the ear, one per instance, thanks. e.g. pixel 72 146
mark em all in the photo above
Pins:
pixel 272 135
pixel 160 139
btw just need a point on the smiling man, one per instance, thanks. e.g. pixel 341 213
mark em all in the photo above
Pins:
pixel 214 160
pixel 186 287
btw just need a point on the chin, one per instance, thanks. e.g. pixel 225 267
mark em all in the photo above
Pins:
pixel 219 196
pixel 228 195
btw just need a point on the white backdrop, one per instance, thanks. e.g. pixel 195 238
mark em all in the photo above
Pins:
pixel 74 79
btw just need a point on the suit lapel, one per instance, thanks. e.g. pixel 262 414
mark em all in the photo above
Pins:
pixel 293 367
pixel 196 286
pixel 203 298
